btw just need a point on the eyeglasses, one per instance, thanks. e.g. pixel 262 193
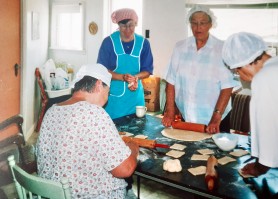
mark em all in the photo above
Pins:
pixel 126 26
pixel 200 24
pixel 234 71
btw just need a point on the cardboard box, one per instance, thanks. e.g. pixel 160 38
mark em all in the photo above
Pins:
pixel 152 92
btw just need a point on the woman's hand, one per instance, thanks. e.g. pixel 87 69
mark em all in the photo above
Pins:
pixel 214 124
pixel 132 81
pixel 168 118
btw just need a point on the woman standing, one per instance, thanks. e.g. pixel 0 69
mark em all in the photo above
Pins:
pixel 198 82
pixel 129 59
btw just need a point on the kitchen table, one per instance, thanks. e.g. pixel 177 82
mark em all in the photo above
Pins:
pixel 150 165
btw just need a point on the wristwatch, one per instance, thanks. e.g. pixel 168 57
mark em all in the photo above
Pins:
pixel 217 111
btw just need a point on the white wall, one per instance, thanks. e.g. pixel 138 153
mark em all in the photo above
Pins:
pixel 172 28
pixel 166 22
pixel 164 19
pixel 34 54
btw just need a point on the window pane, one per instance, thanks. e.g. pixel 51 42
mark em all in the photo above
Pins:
pixel 67 26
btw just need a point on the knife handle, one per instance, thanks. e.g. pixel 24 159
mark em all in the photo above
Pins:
pixel 141 142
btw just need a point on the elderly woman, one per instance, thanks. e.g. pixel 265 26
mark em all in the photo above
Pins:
pixel 79 141
pixel 198 82
pixel 128 58
pixel 245 53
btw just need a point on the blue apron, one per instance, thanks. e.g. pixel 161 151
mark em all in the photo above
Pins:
pixel 122 101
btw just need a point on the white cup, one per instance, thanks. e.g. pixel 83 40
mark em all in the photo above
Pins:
pixel 141 111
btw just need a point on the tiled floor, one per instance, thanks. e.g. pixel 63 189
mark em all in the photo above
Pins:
pixel 148 189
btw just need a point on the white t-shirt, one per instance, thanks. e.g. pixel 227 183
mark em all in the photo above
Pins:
pixel 264 114
pixel 198 77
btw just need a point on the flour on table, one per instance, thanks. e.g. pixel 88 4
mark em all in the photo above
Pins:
pixel 178 147
pixel 199 157
pixel 200 170
pixel 184 135
pixel 175 154
pixel 206 151
pixel 225 160
pixel 239 153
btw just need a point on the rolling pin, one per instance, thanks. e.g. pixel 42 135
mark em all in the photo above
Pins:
pixel 211 173
pixel 141 142
pixel 189 126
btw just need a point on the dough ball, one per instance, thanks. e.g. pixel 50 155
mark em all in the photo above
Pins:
pixel 172 165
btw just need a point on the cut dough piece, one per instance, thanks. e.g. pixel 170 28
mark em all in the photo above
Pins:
pixel 130 84
pixel 185 135
pixel 245 175
pixel 206 151
pixel 175 154
pixel 199 157
pixel 198 170
pixel 239 153
pixel 141 136
pixel 225 160
pixel 178 147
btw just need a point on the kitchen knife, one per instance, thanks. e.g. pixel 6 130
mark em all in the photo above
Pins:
pixel 161 146
pixel 144 142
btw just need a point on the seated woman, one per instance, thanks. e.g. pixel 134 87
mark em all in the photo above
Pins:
pixel 78 140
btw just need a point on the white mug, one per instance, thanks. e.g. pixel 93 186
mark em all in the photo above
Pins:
pixel 141 111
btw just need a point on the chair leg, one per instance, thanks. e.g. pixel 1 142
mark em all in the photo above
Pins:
pixel 138 187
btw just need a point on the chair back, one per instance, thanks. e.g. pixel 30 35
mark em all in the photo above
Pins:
pixel 240 119
pixel 44 98
pixel 11 142
pixel 28 185
pixel 41 84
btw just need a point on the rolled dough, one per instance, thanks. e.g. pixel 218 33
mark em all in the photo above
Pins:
pixel 185 135
pixel 200 170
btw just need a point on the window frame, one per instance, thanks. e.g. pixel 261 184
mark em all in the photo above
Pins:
pixel 53 26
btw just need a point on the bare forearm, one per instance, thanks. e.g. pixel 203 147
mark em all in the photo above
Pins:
pixel 128 78
pixel 142 75
pixel 170 98
pixel 169 114
pixel 223 100
pixel 127 167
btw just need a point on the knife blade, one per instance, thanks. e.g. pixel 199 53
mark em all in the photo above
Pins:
pixel 157 145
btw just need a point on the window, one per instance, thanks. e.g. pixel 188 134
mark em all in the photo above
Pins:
pixel 67 25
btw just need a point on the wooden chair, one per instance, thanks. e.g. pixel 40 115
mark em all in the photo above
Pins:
pixel 46 102
pixel 44 98
pixel 17 138
pixel 28 185
pixel 240 119
pixel 8 145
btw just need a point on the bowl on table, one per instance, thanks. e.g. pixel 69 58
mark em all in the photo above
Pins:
pixel 225 141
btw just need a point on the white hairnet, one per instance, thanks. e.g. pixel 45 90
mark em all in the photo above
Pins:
pixel 242 48
pixel 202 8
pixel 97 71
